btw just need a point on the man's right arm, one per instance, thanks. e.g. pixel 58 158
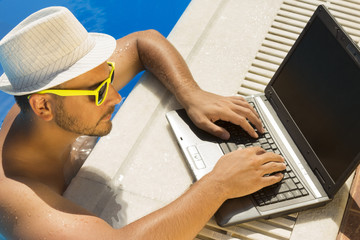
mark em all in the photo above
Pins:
pixel 31 210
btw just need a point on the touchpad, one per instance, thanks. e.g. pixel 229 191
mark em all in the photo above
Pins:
pixel 210 153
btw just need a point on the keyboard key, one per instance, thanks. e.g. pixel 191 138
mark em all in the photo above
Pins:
pixel 267 201
pixel 224 148
pixel 296 193
pixel 283 188
pixel 274 199
pixel 289 195
pixel 232 146
pixel 281 197
pixel 266 146
pixel 242 146
pixel 262 140
pixel 290 184
pixel 304 192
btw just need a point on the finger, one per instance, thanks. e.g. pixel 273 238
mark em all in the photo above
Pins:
pixel 273 167
pixel 254 119
pixel 251 115
pixel 254 150
pixel 271 157
pixel 242 122
pixel 238 97
pixel 257 150
pixel 244 103
pixel 272 179
pixel 213 129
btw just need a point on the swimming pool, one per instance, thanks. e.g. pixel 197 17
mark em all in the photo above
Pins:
pixel 114 17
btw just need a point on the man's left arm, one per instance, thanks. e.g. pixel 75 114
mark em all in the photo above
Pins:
pixel 149 50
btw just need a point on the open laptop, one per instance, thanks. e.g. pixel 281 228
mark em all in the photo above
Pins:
pixel 311 112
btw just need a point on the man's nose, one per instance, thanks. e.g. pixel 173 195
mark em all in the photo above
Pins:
pixel 113 97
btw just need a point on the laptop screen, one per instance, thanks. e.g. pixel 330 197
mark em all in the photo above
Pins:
pixel 319 87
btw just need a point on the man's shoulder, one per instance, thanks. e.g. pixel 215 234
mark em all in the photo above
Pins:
pixel 8 121
pixel 27 204
pixel 17 190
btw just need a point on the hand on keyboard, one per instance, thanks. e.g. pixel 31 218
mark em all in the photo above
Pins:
pixel 205 108
pixel 245 171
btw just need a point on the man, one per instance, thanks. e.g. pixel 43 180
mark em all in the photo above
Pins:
pixel 61 77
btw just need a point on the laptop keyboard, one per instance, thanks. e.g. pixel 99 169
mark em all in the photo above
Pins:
pixel 289 187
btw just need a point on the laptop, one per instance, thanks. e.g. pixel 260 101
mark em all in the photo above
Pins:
pixel 311 112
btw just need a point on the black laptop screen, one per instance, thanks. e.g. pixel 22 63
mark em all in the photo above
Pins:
pixel 322 96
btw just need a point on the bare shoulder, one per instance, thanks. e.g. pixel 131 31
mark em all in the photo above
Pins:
pixel 9 119
pixel 31 210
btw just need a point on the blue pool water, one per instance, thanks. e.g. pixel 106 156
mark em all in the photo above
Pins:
pixel 114 17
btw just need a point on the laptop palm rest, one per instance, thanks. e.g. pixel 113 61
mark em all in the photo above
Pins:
pixel 236 210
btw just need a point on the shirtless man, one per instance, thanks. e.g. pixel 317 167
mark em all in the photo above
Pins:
pixel 37 138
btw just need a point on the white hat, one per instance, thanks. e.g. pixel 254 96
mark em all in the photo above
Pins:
pixel 48 48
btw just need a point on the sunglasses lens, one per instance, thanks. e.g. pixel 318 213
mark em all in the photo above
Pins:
pixel 102 93
pixel 104 88
pixel 112 77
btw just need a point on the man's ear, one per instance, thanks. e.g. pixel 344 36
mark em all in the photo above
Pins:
pixel 42 105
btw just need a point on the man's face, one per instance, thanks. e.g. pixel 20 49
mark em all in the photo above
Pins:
pixel 79 114
pixel 73 123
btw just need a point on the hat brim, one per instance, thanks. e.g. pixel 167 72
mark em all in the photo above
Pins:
pixel 103 49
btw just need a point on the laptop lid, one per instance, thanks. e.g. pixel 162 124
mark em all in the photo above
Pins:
pixel 315 93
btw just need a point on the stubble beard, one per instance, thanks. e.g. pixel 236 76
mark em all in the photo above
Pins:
pixel 72 124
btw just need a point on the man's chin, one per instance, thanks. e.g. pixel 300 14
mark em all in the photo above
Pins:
pixel 103 132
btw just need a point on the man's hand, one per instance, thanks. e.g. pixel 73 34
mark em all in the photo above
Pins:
pixel 205 108
pixel 245 171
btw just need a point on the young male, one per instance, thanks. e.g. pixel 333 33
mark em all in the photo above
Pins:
pixel 66 84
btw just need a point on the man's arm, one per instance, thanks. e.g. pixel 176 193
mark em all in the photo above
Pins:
pixel 151 51
pixel 31 210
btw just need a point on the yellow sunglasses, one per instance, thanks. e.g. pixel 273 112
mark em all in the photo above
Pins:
pixel 100 92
